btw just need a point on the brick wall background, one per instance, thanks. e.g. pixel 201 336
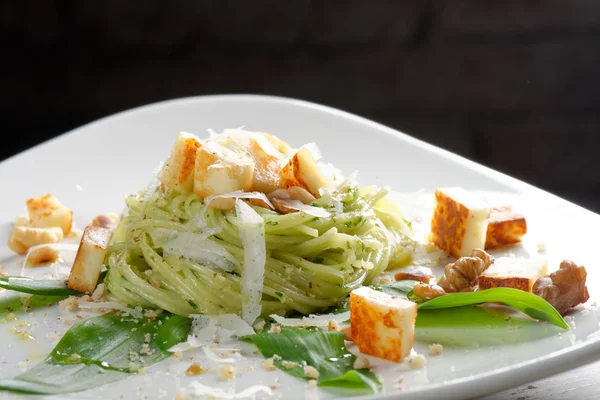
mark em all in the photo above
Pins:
pixel 511 84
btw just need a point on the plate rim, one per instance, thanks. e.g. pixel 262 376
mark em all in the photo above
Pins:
pixel 475 385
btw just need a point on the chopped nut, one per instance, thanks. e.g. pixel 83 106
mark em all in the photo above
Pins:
pixel 461 276
pixel 71 304
pixel 415 275
pixel 275 329
pixel 416 361
pixel 269 364
pixel 282 206
pixel 332 325
pixel 564 288
pixel 299 193
pixel 42 255
pixel 428 292
pixel 435 349
pixel 227 372
pixel 259 203
pixel 311 384
pixel 195 369
pixel 103 221
pixel 311 372
pixel 361 362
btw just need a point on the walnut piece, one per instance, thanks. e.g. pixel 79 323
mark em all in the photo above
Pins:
pixel 461 276
pixel 103 221
pixel 415 275
pixel 564 288
pixel 428 292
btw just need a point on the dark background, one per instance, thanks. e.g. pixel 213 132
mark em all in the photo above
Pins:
pixel 511 84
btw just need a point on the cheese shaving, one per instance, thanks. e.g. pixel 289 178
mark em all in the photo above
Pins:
pixel 252 235
pixel 321 321
pixel 199 390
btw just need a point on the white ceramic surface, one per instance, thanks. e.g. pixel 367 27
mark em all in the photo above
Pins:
pixel 91 169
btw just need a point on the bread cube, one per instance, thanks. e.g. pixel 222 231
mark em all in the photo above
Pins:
pixel 505 227
pixel 517 273
pixel 302 170
pixel 382 325
pixel 178 171
pixel 89 259
pixel 219 170
pixel 47 212
pixel 24 237
pixel 459 222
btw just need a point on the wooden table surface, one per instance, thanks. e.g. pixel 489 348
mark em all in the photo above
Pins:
pixel 579 384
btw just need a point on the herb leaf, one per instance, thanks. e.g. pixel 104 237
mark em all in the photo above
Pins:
pixel 99 351
pixel 398 288
pixel 323 350
pixel 525 302
pixel 33 286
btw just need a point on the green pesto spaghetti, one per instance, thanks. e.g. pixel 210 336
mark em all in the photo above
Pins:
pixel 172 252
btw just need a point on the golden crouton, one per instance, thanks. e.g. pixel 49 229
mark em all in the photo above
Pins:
pixel 24 237
pixel 89 259
pixel 382 325
pixel 459 222
pixel 47 212
pixel 178 171
pixel 42 255
pixel 504 227
pixel 517 273
pixel 219 170
pixel 302 170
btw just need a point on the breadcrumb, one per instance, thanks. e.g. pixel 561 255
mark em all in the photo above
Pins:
pixel 311 372
pixel 182 396
pixel 416 361
pixel 269 364
pixel 311 384
pixel 332 325
pixel 195 369
pixel 98 292
pixel 275 329
pixel 361 362
pixel 71 304
pixel 289 364
pixel 435 349
pixel 178 355
pixel 227 372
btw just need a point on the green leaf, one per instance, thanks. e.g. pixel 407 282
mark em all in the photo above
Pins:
pixel 525 302
pixel 25 302
pixel 33 286
pixel 324 350
pixel 487 325
pixel 398 288
pixel 100 350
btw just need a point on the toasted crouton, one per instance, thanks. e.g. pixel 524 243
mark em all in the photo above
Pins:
pixel 382 325
pixel 504 227
pixel 459 222
pixel 220 170
pixel 302 170
pixel 24 237
pixel 517 273
pixel 267 159
pixel 178 171
pixel 47 212
pixel 89 259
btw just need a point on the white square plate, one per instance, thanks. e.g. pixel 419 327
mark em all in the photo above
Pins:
pixel 92 168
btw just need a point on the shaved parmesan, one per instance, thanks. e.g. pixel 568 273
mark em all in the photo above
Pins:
pixel 111 305
pixel 321 321
pixel 154 183
pixel 252 234
pixel 199 390
pixel 199 248
pixel 309 210
pixel 216 329
pixel 213 356
pixel 239 194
